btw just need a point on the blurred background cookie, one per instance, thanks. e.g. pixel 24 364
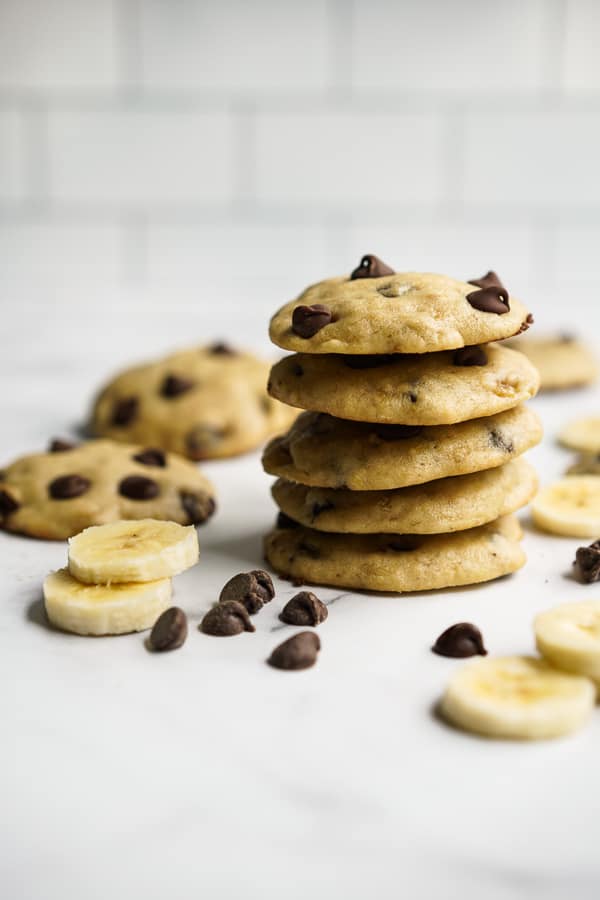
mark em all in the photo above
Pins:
pixel 563 361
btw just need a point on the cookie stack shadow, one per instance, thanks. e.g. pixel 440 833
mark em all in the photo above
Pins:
pixel 406 467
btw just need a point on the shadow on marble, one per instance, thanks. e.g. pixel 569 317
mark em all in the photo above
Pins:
pixel 36 612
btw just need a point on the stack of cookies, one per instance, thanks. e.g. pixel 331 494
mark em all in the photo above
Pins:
pixel 405 470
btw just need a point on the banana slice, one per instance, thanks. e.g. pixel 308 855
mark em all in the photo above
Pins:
pixel 517 697
pixel 568 636
pixel 125 551
pixel 570 506
pixel 100 609
pixel 582 434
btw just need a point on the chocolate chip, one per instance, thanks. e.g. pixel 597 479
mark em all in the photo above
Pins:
pixel 138 487
pixel 304 609
pixel 459 641
pixel 203 440
pixel 298 652
pixel 251 589
pixel 152 456
pixel 226 619
pixel 411 396
pixel 222 349
pixel 371 266
pixel 587 563
pixel 307 549
pixel 397 432
pixel 297 370
pixel 8 504
pixel 499 442
pixel 491 300
pixel 525 325
pixel 284 521
pixel 68 486
pixel 169 631
pixel 125 411
pixel 368 361
pixel 318 508
pixel 199 507
pixel 404 543
pixel 57 445
pixel 307 320
pixel 470 356
pixel 490 279
pixel 173 386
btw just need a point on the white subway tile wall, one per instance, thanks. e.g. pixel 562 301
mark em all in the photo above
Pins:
pixel 218 155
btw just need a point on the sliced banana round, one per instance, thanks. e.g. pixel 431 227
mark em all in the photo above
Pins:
pixel 582 434
pixel 517 697
pixel 568 636
pixel 102 609
pixel 570 506
pixel 125 551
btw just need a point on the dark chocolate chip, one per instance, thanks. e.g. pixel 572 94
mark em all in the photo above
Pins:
pixel 125 411
pixel 318 508
pixel 459 641
pixel 66 487
pixel 226 619
pixel 490 300
pixel 371 266
pixel 470 356
pixel 307 549
pixel 490 279
pixel 251 589
pixel 284 521
pixel 199 507
pixel 411 396
pixel 151 456
pixel 138 487
pixel 404 543
pixel 57 445
pixel 499 442
pixel 203 440
pixel 525 325
pixel 8 504
pixel 170 630
pixel 304 609
pixel 397 432
pixel 307 320
pixel 298 652
pixel 222 349
pixel 368 361
pixel 587 563
pixel 297 370
pixel 174 385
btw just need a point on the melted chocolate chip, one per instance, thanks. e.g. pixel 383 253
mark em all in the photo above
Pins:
pixel 459 641
pixel 284 521
pixel 199 507
pixel 307 549
pixel 307 320
pixel 8 504
pixel 174 386
pixel 318 508
pixel 222 349
pixel 411 396
pixel 470 356
pixel 125 411
pixel 490 279
pixel 369 361
pixel 138 487
pixel 251 589
pixel 169 631
pixel 499 442
pixel 68 486
pixel 203 440
pixel 304 609
pixel 151 456
pixel 298 652
pixel 226 619
pixel 57 445
pixel 491 300
pixel 587 563
pixel 525 325
pixel 397 432
pixel 371 266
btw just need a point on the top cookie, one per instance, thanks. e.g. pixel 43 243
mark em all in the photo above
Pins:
pixel 403 312
pixel 203 403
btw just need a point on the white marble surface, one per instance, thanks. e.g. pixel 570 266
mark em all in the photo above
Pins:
pixel 205 773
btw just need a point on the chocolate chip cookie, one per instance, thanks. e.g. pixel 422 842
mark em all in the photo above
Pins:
pixel 563 361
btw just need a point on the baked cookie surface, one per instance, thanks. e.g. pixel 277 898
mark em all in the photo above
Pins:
pixel 404 312
pixel 562 361
pixel 377 562
pixel 445 505
pixel 320 450
pixel 431 389
pixel 57 494
pixel 203 403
